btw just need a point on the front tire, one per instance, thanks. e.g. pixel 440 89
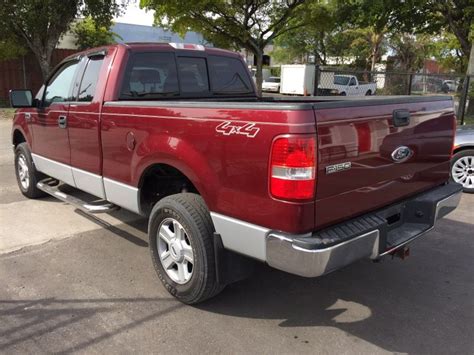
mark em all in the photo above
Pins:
pixel 462 169
pixel 180 234
pixel 26 174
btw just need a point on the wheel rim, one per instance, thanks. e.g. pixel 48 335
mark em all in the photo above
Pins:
pixel 463 171
pixel 175 251
pixel 23 172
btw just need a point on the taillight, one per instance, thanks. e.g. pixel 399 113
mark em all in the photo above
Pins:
pixel 293 168
pixel 455 127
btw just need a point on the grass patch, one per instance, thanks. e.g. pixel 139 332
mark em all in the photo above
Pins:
pixel 6 113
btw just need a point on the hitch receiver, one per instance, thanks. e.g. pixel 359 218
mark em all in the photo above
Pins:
pixel 402 253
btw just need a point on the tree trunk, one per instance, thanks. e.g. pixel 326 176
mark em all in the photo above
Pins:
pixel 375 51
pixel 45 65
pixel 259 74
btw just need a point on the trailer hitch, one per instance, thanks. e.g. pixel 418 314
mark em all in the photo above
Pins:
pixel 402 252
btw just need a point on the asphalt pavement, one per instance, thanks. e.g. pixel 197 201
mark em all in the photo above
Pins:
pixel 73 283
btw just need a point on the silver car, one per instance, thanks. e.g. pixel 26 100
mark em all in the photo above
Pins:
pixel 462 163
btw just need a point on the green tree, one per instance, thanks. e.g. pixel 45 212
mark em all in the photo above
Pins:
pixel 41 23
pixel 372 19
pixel 231 23
pixel 447 51
pixel 10 48
pixel 89 34
pixel 411 50
pixel 309 39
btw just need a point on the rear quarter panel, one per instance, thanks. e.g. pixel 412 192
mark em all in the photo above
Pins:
pixel 229 170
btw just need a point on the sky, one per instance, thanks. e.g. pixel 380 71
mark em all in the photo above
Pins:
pixel 135 15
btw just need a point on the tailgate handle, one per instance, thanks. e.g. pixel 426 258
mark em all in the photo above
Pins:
pixel 401 118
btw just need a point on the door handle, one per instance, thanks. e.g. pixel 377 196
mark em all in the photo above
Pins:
pixel 27 117
pixel 62 122
pixel 401 118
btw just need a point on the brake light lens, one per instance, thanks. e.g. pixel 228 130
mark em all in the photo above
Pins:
pixel 293 168
pixel 455 127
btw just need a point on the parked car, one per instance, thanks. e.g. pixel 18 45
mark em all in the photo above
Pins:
pixel 450 85
pixel 347 85
pixel 272 84
pixel 462 163
pixel 178 134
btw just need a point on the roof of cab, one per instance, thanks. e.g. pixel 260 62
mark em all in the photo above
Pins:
pixel 147 46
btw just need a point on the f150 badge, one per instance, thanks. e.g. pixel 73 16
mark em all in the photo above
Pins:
pixel 331 169
pixel 247 129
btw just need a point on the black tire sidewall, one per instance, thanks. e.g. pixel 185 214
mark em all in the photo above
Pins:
pixel 456 157
pixel 32 191
pixel 190 290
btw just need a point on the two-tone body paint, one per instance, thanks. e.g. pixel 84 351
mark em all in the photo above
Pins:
pixel 117 141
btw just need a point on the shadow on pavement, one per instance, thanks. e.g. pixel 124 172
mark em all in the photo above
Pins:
pixel 421 305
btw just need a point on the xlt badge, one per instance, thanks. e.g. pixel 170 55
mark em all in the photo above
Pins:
pixel 330 169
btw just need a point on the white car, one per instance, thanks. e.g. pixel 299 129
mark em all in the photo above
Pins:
pixel 346 85
pixel 272 84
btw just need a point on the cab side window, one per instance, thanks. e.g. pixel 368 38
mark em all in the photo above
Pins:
pixel 89 79
pixel 353 82
pixel 58 88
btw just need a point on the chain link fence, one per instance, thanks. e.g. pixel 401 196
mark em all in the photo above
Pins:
pixel 348 82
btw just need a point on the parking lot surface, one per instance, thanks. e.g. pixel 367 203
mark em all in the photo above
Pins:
pixel 73 283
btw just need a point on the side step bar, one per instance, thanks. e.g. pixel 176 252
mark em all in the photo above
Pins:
pixel 51 186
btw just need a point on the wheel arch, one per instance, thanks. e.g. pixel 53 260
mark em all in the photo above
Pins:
pixel 162 178
pixel 462 148
pixel 18 137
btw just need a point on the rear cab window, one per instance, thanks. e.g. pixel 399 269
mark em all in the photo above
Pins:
pixel 154 75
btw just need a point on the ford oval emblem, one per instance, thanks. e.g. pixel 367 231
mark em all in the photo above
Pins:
pixel 401 154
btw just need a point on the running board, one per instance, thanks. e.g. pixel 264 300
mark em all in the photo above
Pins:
pixel 51 187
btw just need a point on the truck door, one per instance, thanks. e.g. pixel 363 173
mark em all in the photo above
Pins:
pixel 353 88
pixel 51 152
pixel 84 126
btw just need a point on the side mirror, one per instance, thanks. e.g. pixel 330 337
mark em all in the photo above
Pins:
pixel 21 98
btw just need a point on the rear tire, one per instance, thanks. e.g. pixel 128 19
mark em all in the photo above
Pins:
pixel 462 169
pixel 181 243
pixel 26 174
pixel 368 93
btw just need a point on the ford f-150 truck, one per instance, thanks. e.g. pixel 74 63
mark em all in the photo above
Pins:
pixel 177 133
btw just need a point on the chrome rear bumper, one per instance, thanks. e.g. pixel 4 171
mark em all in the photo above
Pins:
pixel 304 256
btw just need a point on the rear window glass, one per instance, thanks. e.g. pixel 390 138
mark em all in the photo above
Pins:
pixel 150 75
pixel 229 76
pixel 193 75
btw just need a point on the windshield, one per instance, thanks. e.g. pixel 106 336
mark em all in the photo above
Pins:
pixel 341 80
pixel 273 80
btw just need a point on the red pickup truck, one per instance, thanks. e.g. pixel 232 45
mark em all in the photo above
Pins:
pixel 177 133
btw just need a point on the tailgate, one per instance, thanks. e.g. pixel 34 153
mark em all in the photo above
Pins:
pixel 370 157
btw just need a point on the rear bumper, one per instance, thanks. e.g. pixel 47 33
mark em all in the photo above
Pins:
pixel 369 236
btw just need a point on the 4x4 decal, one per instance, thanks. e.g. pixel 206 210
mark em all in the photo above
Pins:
pixel 247 129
